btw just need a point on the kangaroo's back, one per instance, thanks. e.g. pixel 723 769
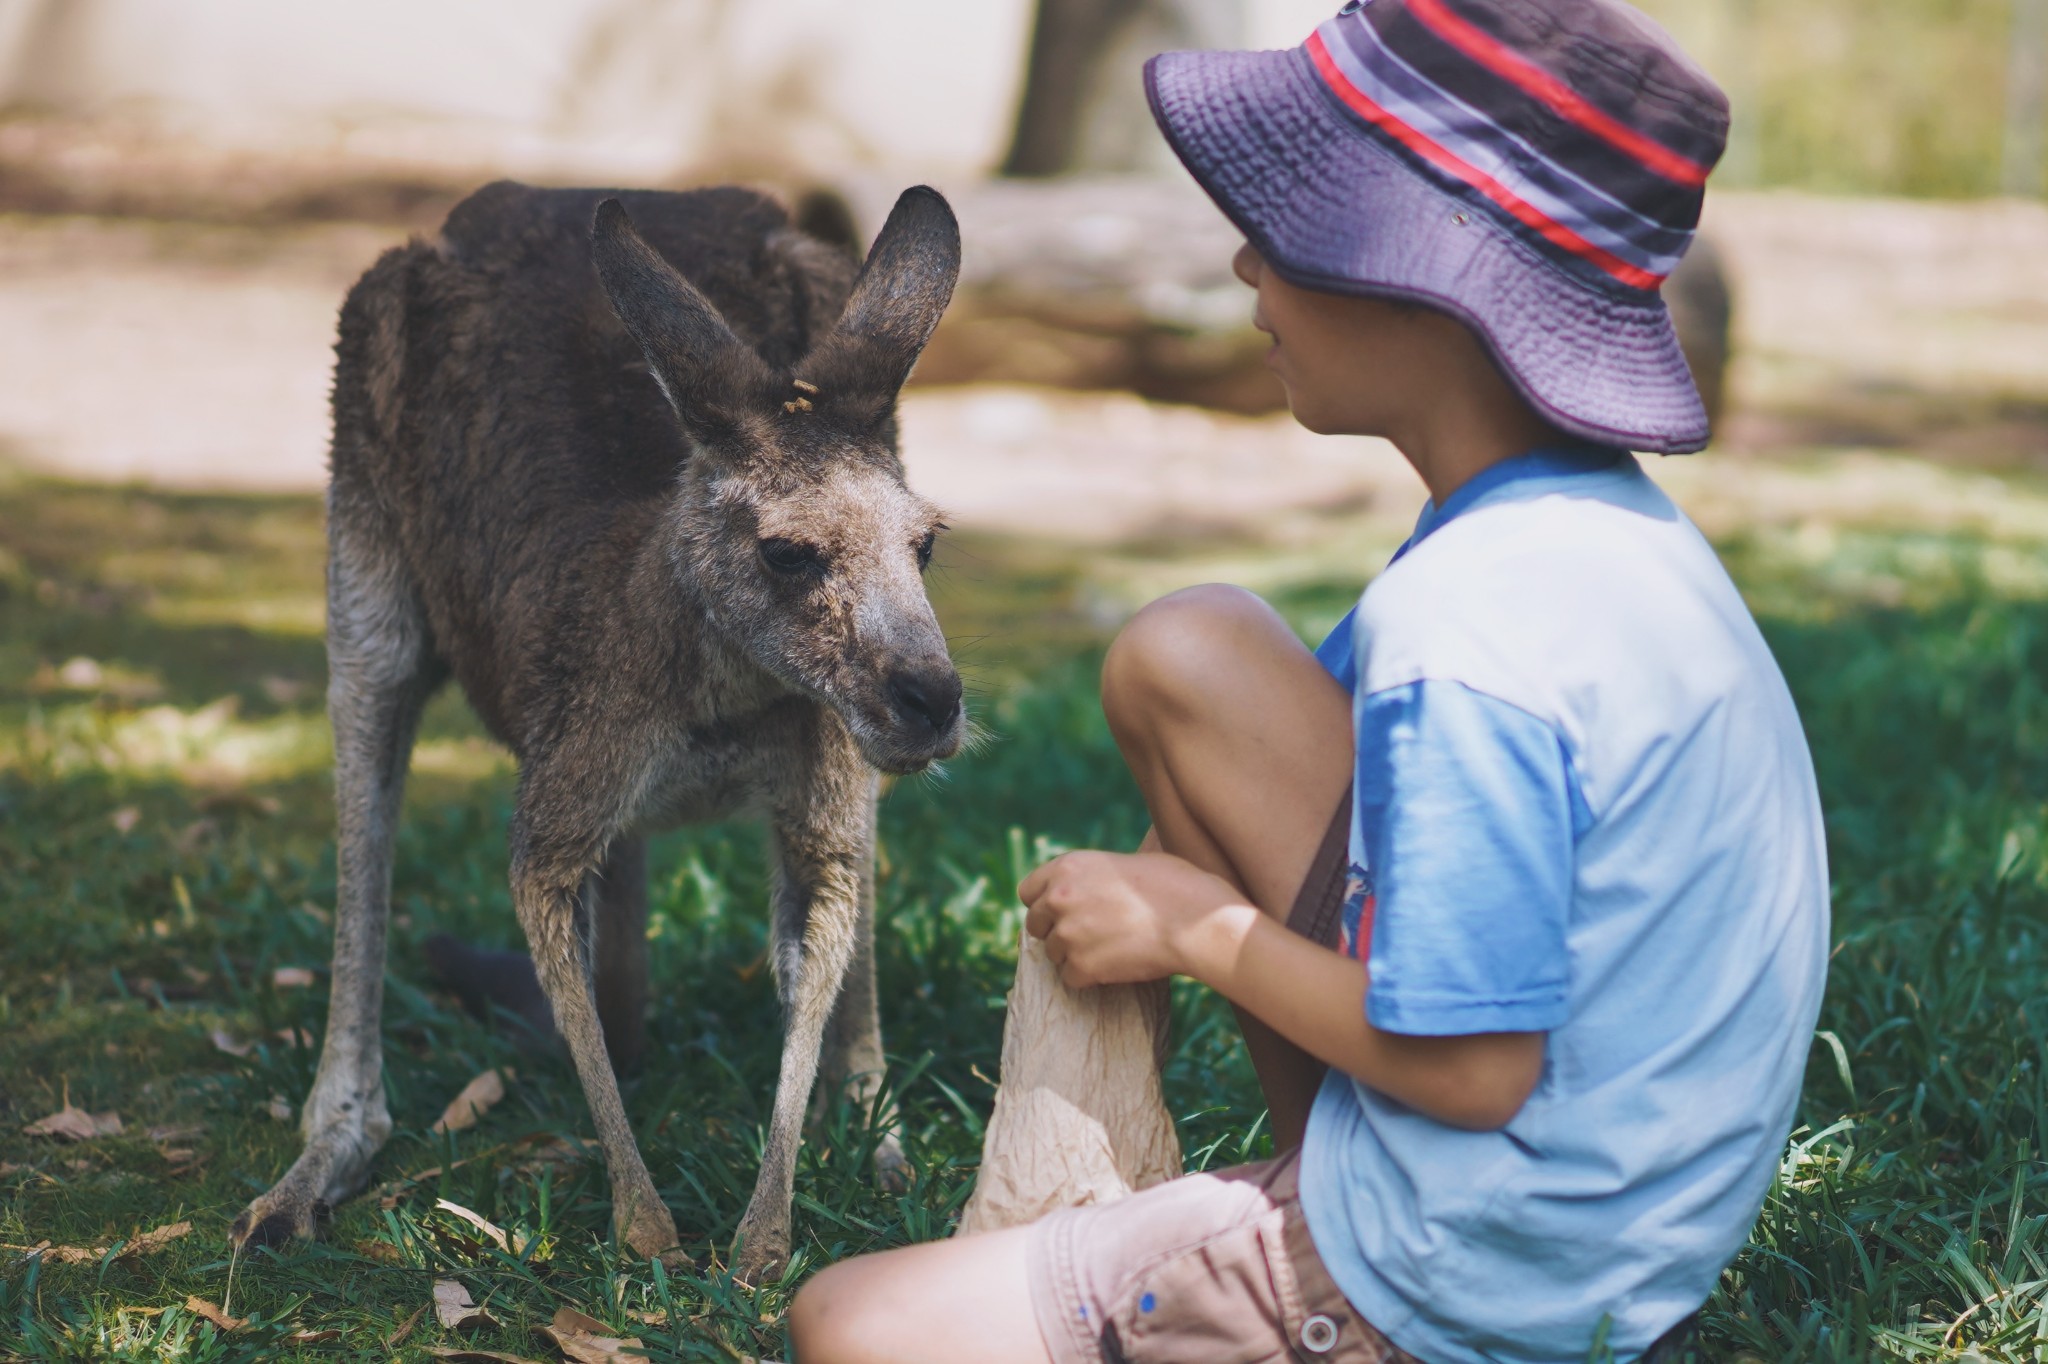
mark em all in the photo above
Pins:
pixel 498 428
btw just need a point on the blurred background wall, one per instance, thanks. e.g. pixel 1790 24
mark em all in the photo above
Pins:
pixel 633 88
pixel 1917 97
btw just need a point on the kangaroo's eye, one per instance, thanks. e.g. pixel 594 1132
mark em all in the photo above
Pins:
pixel 791 556
pixel 924 548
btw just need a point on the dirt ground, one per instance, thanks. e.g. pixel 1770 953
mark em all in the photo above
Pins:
pixel 195 355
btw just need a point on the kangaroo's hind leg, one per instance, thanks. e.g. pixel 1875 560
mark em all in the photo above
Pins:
pixel 381 670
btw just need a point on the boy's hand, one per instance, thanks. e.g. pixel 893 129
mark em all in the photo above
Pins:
pixel 1119 918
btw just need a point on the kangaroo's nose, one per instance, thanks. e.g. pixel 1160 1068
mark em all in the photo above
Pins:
pixel 930 697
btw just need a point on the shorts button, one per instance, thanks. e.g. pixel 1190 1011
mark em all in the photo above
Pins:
pixel 1318 1334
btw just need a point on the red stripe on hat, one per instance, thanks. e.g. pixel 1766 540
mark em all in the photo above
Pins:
pixel 1426 147
pixel 1510 65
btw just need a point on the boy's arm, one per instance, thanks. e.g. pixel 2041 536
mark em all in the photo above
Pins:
pixel 1108 918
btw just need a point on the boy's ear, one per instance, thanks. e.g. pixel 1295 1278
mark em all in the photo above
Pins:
pixel 904 287
pixel 701 366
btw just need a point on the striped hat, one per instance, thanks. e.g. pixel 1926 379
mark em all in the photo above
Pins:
pixel 1532 167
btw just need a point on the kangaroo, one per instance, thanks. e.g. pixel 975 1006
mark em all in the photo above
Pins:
pixel 637 489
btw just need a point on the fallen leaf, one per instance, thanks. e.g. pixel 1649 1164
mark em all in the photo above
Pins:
pixel 284 691
pixel 405 1328
pixel 200 1307
pixel 151 1241
pixel 226 1041
pixel 228 799
pixel 454 1309
pixel 311 1337
pixel 146 1243
pixel 383 1252
pixel 473 1102
pixel 279 1107
pixel 193 835
pixel 125 819
pixel 480 1222
pixel 291 977
pixel 179 1132
pixel 582 1339
pixel 75 1124
pixel 468 1356
pixel 8 1167
pixel 82 674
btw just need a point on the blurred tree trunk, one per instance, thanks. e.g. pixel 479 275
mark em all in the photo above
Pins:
pixel 2026 98
pixel 1068 40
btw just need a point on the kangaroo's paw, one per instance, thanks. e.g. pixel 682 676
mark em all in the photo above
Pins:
pixel 760 1251
pixel 334 1165
pixel 294 1207
pixel 648 1231
pixel 892 1168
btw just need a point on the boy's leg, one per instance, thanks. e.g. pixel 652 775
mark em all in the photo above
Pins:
pixel 1242 746
pixel 967 1298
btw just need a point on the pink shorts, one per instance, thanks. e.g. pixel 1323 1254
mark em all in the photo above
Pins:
pixel 1205 1269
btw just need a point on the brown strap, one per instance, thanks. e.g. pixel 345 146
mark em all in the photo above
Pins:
pixel 1316 913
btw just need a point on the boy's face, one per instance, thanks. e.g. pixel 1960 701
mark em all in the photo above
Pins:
pixel 1352 366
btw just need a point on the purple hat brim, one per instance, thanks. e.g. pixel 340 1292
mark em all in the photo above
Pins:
pixel 1333 208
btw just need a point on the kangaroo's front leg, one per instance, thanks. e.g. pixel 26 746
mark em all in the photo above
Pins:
pixel 853 1065
pixel 824 843
pixel 548 868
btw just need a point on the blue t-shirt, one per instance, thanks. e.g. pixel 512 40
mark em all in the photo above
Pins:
pixel 1585 807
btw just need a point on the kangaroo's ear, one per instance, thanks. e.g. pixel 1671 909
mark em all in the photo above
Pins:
pixel 702 367
pixel 903 289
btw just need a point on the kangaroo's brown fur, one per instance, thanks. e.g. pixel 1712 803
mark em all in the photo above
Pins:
pixel 590 496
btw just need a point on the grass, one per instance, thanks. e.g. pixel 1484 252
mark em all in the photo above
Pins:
pixel 165 846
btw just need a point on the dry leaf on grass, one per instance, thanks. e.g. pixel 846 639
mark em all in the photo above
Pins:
pixel 582 1339
pixel 226 1041
pixel 312 1337
pixel 483 1224
pixel 454 1308
pixel 183 1132
pixel 291 978
pixel 75 1124
pixel 476 1099
pixel 405 1328
pixel 383 1252
pixel 152 1241
pixel 279 1107
pixel 193 835
pixel 200 1307
pixel 464 1355
pixel 147 1243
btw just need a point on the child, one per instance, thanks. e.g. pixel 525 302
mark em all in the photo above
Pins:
pixel 1562 948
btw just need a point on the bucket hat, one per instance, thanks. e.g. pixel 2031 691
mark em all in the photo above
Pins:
pixel 1534 168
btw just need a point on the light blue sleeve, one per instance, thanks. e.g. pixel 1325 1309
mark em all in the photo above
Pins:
pixel 1338 654
pixel 1467 818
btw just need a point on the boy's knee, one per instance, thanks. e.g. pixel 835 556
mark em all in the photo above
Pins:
pixel 1165 655
pixel 824 1318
